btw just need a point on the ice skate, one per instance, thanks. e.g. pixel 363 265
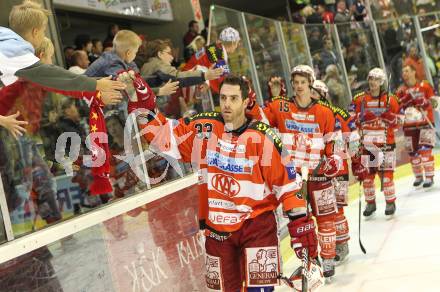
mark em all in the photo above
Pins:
pixel 341 253
pixel 328 268
pixel 428 183
pixel 369 209
pixel 418 182
pixel 390 209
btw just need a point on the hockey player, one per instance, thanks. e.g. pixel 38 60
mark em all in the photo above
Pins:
pixel 216 55
pixel 307 128
pixel 240 161
pixel 346 145
pixel 415 103
pixel 377 117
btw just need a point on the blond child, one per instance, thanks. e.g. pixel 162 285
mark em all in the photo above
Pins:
pixel 28 23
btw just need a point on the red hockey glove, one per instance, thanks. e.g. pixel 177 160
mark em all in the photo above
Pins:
pixel 331 166
pixel 369 117
pixel 358 169
pixel 406 100
pixel 421 102
pixel 303 235
pixel 390 118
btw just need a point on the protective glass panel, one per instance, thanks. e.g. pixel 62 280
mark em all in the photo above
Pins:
pixel 266 48
pixel 327 62
pixel 430 29
pixel 359 51
pixel 238 61
pixel 400 46
pixel 395 8
pixel 296 44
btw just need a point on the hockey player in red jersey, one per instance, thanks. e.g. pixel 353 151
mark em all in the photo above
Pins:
pixel 307 129
pixel 216 55
pixel 241 164
pixel 377 117
pixel 415 104
pixel 346 145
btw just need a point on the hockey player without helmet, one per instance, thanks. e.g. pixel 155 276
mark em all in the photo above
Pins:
pixel 229 34
pixel 304 70
pixel 377 73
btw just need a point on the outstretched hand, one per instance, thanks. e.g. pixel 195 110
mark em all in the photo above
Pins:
pixel 13 125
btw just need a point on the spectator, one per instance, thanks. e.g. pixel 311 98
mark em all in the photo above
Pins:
pixel 197 45
pixel 141 56
pixel 342 13
pixel 359 10
pixel 316 16
pixel 80 62
pixel 315 40
pixel 97 49
pixel 328 55
pixel 300 16
pixel 68 52
pixel 414 60
pixel 335 85
pixel 84 42
pixel 126 45
pixel 193 31
pixel 112 31
pixel 158 69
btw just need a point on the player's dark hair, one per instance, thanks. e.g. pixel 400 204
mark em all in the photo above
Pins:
pixel 237 80
pixel 191 23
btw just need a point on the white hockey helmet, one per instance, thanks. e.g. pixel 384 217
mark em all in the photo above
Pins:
pixel 229 34
pixel 377 73
pixel 304 69
pixel 320 86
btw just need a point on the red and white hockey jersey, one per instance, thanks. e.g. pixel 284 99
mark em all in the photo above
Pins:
pixel 422 89
pixel 375 132
pixel 241 172
pixel 306 132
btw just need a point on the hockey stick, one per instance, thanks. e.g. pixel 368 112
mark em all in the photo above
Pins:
pixel 360 182
pixel 360 208
pixel 384 147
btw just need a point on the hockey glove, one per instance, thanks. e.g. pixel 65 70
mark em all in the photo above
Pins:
pixel 421 103
pixel 406 100
pixel 303 235
pixel 358 169
pixel 390 118
pixel 252 98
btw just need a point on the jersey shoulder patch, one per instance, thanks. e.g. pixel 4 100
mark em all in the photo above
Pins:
pixel 214 53
pixel 266 130
pixel 340 112
pixel 358 95
pixel 205 115
pixel 280 97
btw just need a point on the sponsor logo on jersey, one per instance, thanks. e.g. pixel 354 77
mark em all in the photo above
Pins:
pixel 213 273
pixel 263 265
pixel 375 104
pixel 227 218
pixel 229 147
pixel 303 117
pixel 225 184
pixel 222 204
pixel 229 164
pixel 352 125
pixel 291 172
pixel 302 127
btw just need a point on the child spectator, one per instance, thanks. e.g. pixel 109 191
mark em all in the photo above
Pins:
pixel 80 62
pixel 28 23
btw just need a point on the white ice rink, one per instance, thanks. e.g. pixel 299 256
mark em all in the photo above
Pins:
pixel 403 253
